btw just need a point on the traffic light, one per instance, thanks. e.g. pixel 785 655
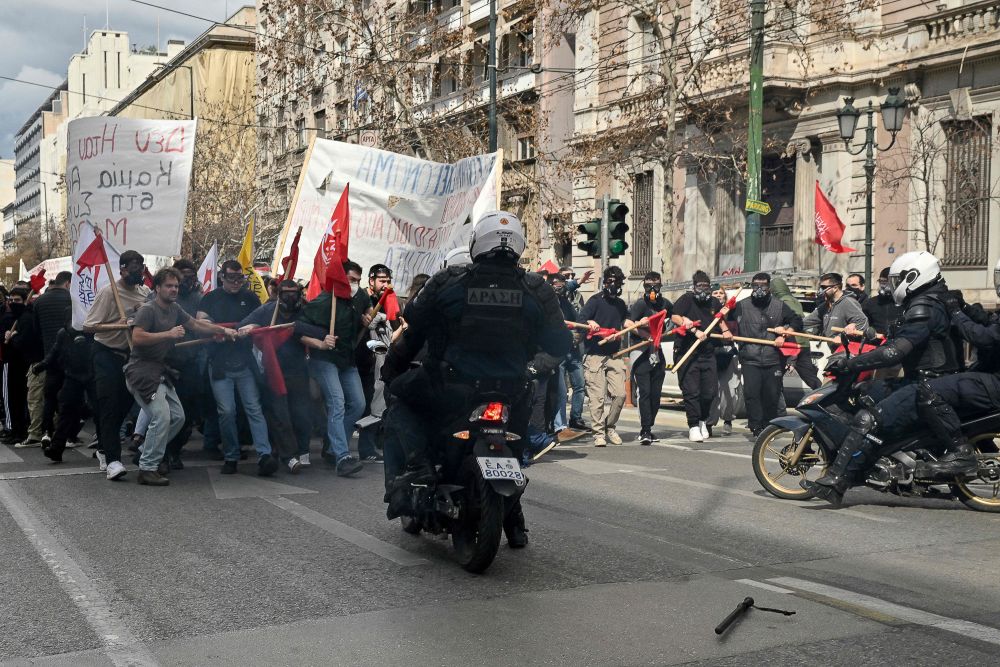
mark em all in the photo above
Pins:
pixel 617 228
pixel 592 246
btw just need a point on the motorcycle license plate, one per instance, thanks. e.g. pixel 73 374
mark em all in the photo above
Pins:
pixel 496 467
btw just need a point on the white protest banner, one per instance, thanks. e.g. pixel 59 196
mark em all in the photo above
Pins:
pixel 129 178
pixel 406 213
pixel 88 280
pixel 53 266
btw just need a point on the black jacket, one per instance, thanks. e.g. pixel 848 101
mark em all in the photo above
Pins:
pixel 71 354
pixel 52 312
pixel 754 321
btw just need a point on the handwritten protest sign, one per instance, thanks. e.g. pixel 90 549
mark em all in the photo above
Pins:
pixel 52 266
pixel 129 178
pixel 88 280
pixel 406 213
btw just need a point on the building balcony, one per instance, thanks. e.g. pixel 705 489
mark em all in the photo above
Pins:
pixel 981 19
pixel 9 236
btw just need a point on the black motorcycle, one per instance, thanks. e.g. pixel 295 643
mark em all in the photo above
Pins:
pixel 794 448
pixel 477 480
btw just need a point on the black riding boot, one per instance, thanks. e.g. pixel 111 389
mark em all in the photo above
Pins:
pixel 958 461
pixel 853 459
pixel 513 527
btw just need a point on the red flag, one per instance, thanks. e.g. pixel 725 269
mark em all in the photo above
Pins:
pixel 829 228
pixel 268 341
pixel 93 256
pixel 37 282
pixel 602 332
pixel 656 327
pixel 291 263
pixel 147 277
pixel 549 267
pixel 390 304
pixel 328 265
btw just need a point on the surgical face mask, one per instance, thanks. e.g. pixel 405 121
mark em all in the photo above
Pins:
pixel 760 292
pixel 355 287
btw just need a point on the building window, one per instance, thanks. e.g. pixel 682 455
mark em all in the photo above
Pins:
pixel 342 46
pixel 522 49
pixel 282 130
pixel 320 120
pixel 343 117
pixel 300 133
pixel 642 224
pixel 777 185
pixel 526 148
pixel 967 193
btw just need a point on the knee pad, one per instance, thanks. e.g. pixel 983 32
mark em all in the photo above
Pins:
pixel 865 421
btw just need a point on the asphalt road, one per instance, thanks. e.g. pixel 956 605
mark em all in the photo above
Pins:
pixel 636 554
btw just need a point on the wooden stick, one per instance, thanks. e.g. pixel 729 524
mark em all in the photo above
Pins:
pixel 274 316
pixel 118 302
pixel 859 335
pixel 212 339
pixel 621 353
pixel 758 341
pixel 622 332
pixel 711 325
pixel 116 326
pixel 577 325
pixel 799 334
pixel 333 311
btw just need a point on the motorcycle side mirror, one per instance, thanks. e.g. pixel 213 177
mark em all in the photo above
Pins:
pixel 844 340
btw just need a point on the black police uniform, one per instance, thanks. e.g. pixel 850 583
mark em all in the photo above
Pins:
pixel 488 326
pixel 650 368
pixel 922 343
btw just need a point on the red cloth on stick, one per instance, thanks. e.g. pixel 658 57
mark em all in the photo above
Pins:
pixel 656 327
pixel 268 340
pixel 291 263
pixel 328 266
pixel 37 282
pixel 390 304
pixel 829 228
pixel 147 277
pixel 602 332
pixel 549 267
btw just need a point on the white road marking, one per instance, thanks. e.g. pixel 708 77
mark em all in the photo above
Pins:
pixel 983 633
pixel 7 455
pixel 348 533
pixel 762 585
pixel 121 647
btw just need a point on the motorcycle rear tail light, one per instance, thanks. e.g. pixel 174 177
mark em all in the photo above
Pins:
pixel 491 412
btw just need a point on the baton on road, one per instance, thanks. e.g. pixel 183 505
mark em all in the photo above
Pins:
pixel 799 334
pixel 741 609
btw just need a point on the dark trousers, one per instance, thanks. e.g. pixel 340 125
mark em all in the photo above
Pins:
pixel 289 417
pixel 970 394
pixel 648 381
pixel 73 398
pixel 15 381
pixel 366 441
pixel 113 399
pixel 761 387
pixel 806 368
pixel 699 380
pixel 50 395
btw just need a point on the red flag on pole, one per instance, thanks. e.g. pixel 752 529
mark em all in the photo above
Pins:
pixel 268 342
pixel 328 266
pixel 390 304
pixel 829 228
pixel 94 255
pixel 549 267
pixel 37 282
pixel 656 327
pixel 291 263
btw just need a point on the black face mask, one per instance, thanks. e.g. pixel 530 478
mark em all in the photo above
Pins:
pixel 702 295
pixel 17 309
pixel 189 287
pixel 820 301
pixel 857 291
pixel 290 302
pixel 760 295
pixel 132 278
pixel 560 290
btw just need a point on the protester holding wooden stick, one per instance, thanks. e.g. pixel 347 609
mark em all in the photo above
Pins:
pixel 112 305
pixel 604 375
pixel 698 373
pixel 834 308
pixel 648 364
pixel 757 319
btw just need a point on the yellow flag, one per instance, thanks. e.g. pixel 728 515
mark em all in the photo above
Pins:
pixel 245 258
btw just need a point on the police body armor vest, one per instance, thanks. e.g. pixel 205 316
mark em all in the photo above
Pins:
pixel 492 320
pixel 940 356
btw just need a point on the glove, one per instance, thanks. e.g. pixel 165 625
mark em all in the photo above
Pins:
pixel 38 368
pixel 531 373
pixel 977 313
pixel 838 366
pixel 953 301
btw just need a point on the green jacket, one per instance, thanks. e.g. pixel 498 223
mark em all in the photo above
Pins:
pixel 346 328
pixel 779 288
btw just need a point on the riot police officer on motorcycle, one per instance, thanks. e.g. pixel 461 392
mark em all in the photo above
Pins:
pixel 489 325
pixel 921 343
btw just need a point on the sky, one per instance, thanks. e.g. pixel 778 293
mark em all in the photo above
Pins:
pixel 38 37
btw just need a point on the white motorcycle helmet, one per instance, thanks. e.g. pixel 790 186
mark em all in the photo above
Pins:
pixel 457 257
pixel 996 278
pixel 496 232
pixel 912 272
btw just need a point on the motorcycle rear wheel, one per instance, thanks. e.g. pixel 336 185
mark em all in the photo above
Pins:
pixel 771 465
pixel 477 532
pixel 982 493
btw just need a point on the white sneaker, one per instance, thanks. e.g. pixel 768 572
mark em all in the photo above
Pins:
pixel 695 434
pixel 73 443
pixel 304 461
pixel 102 461
pixel 704 430
pixel 293 465
pixel 116 470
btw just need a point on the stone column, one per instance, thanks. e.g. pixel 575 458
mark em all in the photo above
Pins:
pixel 698 224
pixel 804 248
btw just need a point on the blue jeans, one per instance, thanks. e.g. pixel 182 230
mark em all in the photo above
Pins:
pixel 559 420
pixel 166 418
pixel 574 368
pixel 225 400
pixel 345 403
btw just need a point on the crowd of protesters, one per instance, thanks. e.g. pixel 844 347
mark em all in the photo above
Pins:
pixel 187 358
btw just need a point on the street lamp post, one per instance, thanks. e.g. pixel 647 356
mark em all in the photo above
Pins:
pixel 893 112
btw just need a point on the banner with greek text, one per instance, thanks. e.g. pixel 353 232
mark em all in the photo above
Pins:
pixel 406 213
pixel 129 178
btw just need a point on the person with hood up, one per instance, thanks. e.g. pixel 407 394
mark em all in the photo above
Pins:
pixel 804 365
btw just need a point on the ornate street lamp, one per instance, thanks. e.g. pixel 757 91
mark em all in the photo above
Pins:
pixel 893 112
